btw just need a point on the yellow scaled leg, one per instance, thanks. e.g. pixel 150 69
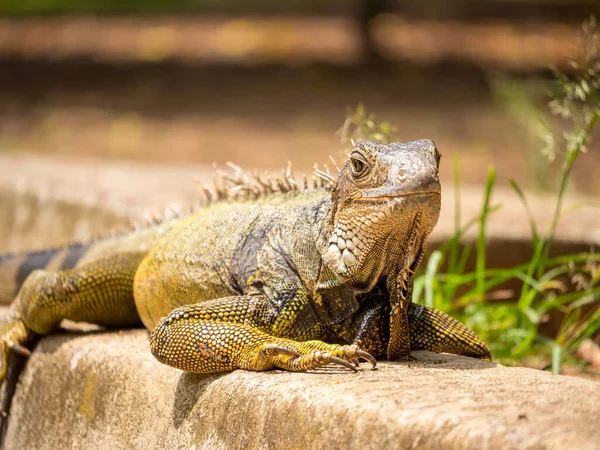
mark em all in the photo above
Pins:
pixel 14 335
pixel 99 292
pixel 220 335
pixel 431 329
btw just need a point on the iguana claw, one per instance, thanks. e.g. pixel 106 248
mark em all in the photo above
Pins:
pixel 320 354
pixel 13 333
pixel 331 360
pixel 19 349
pixel 311 360
pixel 361 354
pixel 341 362
pixel 310 355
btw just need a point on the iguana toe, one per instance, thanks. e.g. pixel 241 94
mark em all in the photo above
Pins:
pixel 13 334
pixel 308 355
pixel 316 354
pixel 19 349
pixel 365 356
pixel 312 360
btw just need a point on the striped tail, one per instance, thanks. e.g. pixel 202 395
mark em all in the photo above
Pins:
pixel 15 268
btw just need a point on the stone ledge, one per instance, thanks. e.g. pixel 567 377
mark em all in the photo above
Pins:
pixel 104 390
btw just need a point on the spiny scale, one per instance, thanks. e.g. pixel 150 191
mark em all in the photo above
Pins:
pixel 241 185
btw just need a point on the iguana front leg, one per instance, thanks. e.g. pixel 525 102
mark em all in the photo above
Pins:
pixel 226 334
pixel 431 329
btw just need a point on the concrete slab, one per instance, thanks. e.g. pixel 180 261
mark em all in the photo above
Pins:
pixel 104 390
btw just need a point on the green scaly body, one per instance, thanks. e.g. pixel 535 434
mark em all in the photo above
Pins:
pixel 290 280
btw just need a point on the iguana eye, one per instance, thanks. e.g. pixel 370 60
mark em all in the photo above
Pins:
pixel 359 165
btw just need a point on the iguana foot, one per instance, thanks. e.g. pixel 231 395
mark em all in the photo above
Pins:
pixel 309 355
pixel 13 337
pixel 191 339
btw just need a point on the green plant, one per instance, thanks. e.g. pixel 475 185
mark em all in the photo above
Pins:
pixel 524 102
pixel 509 322
pixel 360 125
pixel 576 98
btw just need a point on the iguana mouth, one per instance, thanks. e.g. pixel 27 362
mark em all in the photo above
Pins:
pixel 366 196
pixel 399 191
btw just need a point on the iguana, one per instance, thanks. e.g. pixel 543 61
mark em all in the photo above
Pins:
pixel 274 276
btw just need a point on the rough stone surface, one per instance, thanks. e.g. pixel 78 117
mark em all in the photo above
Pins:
pixel 104 390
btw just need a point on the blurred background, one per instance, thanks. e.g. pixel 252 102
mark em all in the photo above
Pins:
pixel 175 83
pixel 263 82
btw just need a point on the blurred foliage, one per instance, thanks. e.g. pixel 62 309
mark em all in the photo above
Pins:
pixel 427 8
pixel 360 125
pixel 524 101
pixel 574 96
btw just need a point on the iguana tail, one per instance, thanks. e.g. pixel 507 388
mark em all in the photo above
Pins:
pixel 15 268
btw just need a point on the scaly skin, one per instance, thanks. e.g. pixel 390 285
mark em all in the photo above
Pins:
pixel 266 282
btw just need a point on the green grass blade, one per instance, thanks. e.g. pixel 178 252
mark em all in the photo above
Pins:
pixel 556 352
pixel 481 237
pixel 532 224
pixel 432 267
pixel 418 286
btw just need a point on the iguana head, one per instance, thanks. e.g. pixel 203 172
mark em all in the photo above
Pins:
pixel 385 203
